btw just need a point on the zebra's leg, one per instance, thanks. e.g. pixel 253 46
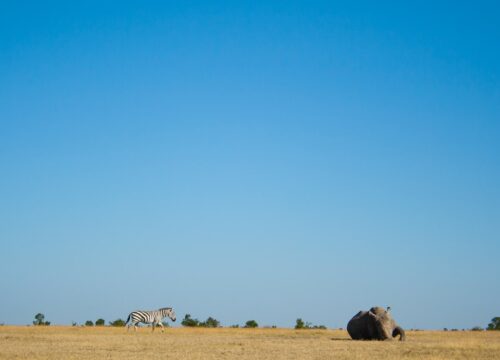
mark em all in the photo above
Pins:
pixel 153 325
pixel 162 327
pixel 129 325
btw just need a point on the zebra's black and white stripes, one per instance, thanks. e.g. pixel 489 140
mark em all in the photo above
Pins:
pixel 150 317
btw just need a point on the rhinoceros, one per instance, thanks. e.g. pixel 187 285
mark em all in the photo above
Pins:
pixel 374 324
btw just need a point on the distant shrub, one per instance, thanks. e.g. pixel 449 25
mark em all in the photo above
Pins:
pixel 236 326
pixel 477 328
pixel 99 322
pixel 89 323
pixel 494 324
pixel 445 329
pixel 210 323
pixel 117 323
pixel 299 324
pixel 251 324
pixel 74 323
pixel 40 320
pixel 190 322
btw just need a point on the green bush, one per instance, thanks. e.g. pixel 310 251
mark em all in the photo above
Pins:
pixel 99 322
pixel 301 325
pixel 494 324
pixel 117 323
pixel 40 320
pixel 189 322
pixel 251 324
pixel 210 323
pixel 89 323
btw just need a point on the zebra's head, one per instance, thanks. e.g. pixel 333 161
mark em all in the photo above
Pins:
pixel 169 312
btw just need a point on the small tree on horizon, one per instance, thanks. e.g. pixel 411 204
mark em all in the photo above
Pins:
pixel 89 323
pixel 99 322
pixel 299 324
pixel 210 323
pixel 251 324
pixel 494 324
pixel 190 322
pixel 40 320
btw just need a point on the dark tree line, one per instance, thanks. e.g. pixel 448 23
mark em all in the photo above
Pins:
pixel 211 322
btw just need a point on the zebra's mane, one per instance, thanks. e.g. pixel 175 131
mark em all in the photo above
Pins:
pixel 165 308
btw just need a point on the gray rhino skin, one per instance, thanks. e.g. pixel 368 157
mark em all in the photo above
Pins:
pixel 374 324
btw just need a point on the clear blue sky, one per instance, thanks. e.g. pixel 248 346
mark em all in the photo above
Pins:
pixel 250 160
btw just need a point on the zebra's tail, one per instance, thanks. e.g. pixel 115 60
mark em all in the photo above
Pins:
pixel 127 319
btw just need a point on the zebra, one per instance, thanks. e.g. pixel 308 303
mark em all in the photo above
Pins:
pixel 149 317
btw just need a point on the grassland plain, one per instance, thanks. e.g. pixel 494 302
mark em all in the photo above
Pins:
pixel 60 342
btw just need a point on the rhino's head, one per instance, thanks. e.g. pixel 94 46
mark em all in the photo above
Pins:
pixel 382 321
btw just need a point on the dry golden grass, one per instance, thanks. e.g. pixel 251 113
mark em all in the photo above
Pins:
pixel 57 342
